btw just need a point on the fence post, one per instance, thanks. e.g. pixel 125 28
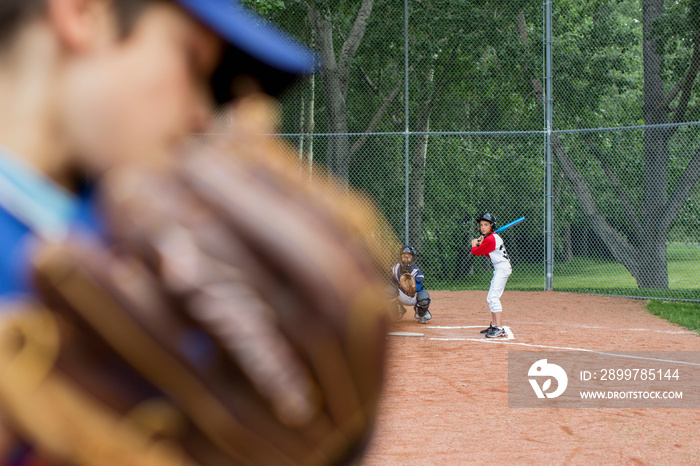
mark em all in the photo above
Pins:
pixel 549 207
pixel 405 100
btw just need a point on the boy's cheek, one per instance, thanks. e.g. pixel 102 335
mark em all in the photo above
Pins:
pixel 127 140
pixel 139 117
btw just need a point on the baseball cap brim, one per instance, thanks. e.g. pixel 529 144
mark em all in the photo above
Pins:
pixel 256 47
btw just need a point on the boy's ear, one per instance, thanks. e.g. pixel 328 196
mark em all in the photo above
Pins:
pixel 81 24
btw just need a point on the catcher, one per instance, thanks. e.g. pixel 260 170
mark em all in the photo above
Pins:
pixel 407 287
pixel 151 288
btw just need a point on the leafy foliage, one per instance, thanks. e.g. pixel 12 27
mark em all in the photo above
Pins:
pixel 473 67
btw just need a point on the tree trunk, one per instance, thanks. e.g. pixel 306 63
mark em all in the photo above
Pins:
pixel 333 93
pixel 334 75
pixel 306 143
pixel 307 117
pixel 651 246
pixel 417 162
pixel 653 263
pixel 302 114
pixel 338 144
pixel 417 185
pixel 645 255
pixel 622 250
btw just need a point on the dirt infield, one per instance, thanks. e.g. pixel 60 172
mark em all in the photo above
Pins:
pixel 446 401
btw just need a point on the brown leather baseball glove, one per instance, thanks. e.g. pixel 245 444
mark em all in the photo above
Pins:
pixel 236 316
pixel 408 284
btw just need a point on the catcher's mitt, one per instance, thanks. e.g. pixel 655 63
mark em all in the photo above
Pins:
pixel 408 284
pixel 217 328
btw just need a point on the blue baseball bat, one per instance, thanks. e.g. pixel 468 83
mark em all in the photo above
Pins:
pixel 505 227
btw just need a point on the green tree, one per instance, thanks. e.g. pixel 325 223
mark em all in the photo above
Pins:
pixel 477 66
pixel 671 60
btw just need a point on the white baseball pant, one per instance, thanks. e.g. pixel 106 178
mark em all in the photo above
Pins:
pixel 498 284
pixel 406 300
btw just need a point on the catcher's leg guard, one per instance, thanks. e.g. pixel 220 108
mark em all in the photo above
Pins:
pixel 423 299
pixel 422 313
pixel 421 307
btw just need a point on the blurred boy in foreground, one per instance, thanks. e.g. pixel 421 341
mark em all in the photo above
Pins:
pixel 89 85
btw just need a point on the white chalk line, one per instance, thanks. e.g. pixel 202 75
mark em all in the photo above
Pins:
pixel 672 332
pixel 460 326
pixel 509 332
pixel 503 342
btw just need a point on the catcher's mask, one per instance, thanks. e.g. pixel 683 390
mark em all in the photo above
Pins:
pixel 407 257
pixel 489 218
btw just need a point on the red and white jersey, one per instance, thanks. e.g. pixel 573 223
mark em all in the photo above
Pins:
pixel 493 246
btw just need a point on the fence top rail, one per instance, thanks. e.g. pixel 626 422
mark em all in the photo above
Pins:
pixel 626 128
pixel 410 133
pixel 483 133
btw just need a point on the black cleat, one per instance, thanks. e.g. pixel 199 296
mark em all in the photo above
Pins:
pixel 422 314
pixel 487 330
pixel 496 332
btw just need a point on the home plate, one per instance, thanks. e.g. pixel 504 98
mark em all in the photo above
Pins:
pixel 405 334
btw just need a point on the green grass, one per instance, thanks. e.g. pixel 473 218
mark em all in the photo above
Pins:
pixel 683 252
pixel 685 314
pixel 584 275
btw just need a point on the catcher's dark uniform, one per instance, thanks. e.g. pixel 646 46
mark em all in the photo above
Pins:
pixel 396 272
pixel 420 302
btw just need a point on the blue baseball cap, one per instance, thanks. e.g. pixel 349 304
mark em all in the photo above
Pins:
pixel 256 47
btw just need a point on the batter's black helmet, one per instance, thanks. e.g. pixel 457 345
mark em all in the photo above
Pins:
pixel 489 218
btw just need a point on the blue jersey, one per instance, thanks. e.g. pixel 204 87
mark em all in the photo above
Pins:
pixel 397 271
pixel 32 206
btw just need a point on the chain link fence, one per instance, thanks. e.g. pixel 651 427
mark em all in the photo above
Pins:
pixel 438 110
